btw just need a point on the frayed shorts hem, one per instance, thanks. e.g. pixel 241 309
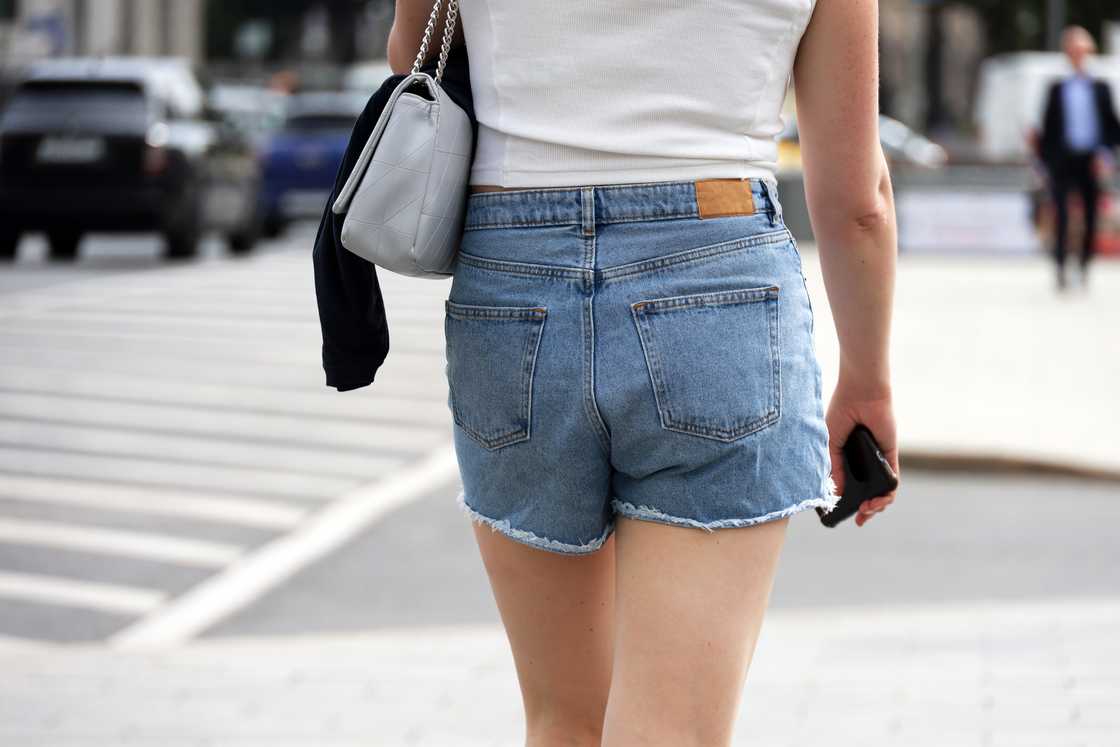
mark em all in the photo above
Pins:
pixel 647 513
pixel 827 501
pixel 529 538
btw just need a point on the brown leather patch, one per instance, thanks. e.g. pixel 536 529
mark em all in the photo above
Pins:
pixel 720 197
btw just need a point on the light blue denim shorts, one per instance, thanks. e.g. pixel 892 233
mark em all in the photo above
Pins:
pixel 611 352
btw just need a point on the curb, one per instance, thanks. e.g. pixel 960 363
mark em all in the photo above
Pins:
pixel 1005 465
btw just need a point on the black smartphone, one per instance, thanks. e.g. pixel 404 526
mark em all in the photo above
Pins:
pixel 867 474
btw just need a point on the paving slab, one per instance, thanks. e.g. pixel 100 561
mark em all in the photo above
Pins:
pixel 991 363
pixel 983 673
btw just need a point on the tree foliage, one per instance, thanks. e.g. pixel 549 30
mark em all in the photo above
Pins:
pixel 1018 25
pixel 224 18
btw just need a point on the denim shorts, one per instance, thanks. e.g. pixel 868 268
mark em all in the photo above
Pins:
pixel 613 351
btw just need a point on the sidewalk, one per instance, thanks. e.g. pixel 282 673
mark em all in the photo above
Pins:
pixel 991 364
pixel 982 675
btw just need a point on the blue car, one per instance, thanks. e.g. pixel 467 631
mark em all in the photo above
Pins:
pixel 301 159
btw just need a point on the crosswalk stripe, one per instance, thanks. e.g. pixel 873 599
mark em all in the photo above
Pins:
pixel 143 545
pixel 12 644
pixel 274 367
pixel 184 343
pixel 106 496
pixel 124 320
pixel 85 594
pixel 159 472
pixel 77 334
pixel 197 446
pixel 319 404
pixel 266 567
pixel 226 306
pixel 293 439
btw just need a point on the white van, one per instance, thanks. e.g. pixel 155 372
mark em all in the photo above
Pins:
pixel 1011 94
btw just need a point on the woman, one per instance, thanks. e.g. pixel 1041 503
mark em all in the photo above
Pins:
pixel 636 397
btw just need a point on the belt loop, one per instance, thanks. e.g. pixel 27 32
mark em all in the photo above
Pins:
pixel 771 188
pixel 587 202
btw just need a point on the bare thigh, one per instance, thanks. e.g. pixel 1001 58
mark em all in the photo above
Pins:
pixel 689 607
pixel 558 612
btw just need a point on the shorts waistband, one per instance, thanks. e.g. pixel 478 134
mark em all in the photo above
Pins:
pixel 621 203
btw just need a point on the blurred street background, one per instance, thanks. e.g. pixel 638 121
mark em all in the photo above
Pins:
pixel 201 544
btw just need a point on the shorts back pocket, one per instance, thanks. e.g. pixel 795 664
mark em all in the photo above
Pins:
pixel 713 360
pixel 491 356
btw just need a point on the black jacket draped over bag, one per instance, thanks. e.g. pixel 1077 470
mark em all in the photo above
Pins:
pixel 351 310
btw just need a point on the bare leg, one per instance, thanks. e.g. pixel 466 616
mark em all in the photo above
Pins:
pixel 689 609
pixel 558 613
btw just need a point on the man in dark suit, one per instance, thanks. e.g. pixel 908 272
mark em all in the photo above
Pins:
pixel 1079 122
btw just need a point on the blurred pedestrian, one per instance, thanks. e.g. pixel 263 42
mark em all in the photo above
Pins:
pixel 630 355
pixel 1079 122
pixel 284 82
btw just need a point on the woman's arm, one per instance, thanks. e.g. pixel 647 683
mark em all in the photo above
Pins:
pixel 409 22
pixel 848 190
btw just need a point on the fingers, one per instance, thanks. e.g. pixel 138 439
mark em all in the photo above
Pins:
pixel 837 458
pixel 872 506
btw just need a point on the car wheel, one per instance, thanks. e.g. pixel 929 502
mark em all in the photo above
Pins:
pixel 243 242
pixel 63 245
pixel 9 245
pixel 182 243
pixel 273 227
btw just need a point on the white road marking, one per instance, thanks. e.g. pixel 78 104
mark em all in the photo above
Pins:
pixel 130 319
pixel 115 496
pixel 205 441
pixel 177 473
pixel 318 403
pixel 11 644
pixel 235 587
pixel 73 593
pixel 274 368
pixel 145 545
pixel 172 334
pixel 224 430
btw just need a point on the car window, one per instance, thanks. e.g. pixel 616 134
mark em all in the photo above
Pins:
pixel 113 106
pixel 319 122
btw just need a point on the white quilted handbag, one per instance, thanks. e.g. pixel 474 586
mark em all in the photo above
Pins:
pixel 405 199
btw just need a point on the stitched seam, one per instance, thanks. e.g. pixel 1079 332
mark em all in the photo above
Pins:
pixel 605 220
pixel 518 433
pixel 521 268
pixel 590 406
pixel 515 224
pixel 689 255
pixel 660 383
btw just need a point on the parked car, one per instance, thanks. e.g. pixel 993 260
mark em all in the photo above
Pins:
pixel 366 76
pixel 121 144
pixel 301 160
pixel 900 144
pixel 255 111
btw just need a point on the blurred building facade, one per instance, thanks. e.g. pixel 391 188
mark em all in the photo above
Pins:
pixel 32 29
pixel 929 54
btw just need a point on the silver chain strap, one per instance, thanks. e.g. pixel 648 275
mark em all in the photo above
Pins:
pixel 445 45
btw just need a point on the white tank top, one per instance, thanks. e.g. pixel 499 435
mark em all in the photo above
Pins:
pixel 572 92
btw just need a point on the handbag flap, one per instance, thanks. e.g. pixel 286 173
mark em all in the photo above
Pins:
pixel 346 194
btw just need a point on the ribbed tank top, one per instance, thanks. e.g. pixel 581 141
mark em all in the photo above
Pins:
pixel 573 92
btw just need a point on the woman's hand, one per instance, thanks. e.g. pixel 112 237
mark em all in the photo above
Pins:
pixel 851 404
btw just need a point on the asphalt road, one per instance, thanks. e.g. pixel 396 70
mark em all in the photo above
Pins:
pixel 171 465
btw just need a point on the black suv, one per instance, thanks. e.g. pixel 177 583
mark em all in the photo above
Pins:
pixel 121 145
